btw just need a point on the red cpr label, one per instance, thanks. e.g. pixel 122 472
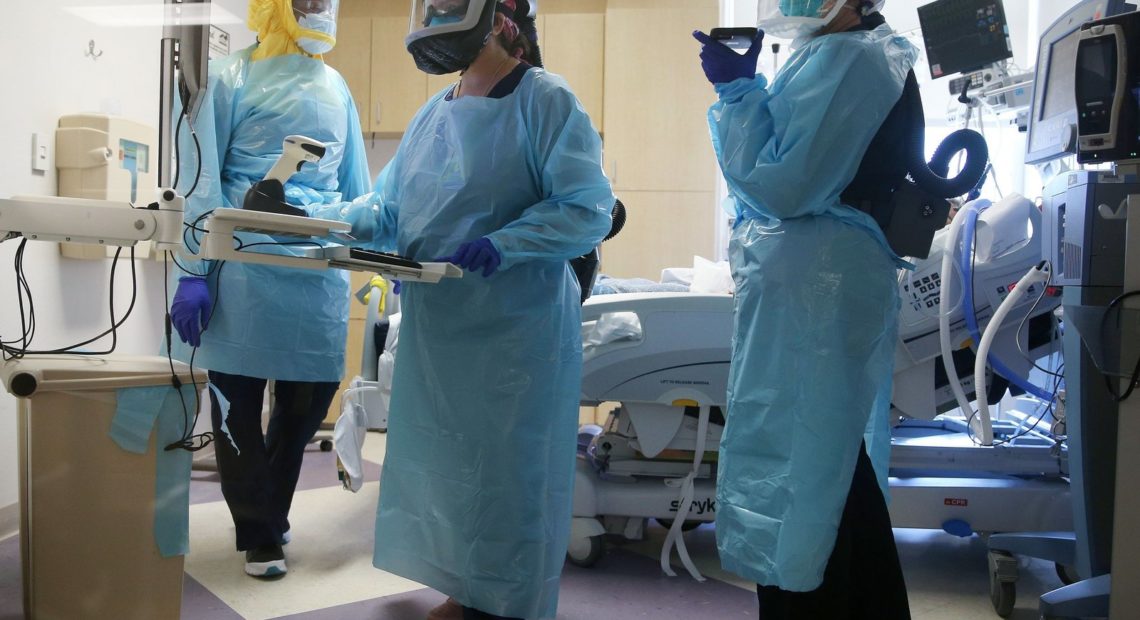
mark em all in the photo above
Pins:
pixel 956 501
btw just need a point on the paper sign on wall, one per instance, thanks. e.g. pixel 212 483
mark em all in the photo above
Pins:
pixel 219 43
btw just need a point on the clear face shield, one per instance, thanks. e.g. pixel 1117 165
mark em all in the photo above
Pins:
pixel 796 20
pixel 317 21
pixel 432 17
pixel 302 8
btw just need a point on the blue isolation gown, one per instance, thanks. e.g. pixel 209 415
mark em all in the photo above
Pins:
pixel 816 302
pixel 271 322
pixel 475 496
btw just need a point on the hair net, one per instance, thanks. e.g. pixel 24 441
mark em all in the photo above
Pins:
pixel 810 8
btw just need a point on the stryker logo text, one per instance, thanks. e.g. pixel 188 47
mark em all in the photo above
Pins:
pixel 706 506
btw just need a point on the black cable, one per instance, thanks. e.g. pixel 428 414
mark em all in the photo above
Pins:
pixel 190 229
pixel 27 315
pixel 27 320
pixel 174 380
pixel 198 151
pixel 177 155
pixel 1049 410
pixel 1135 376
pixel 189 441
pixel 1024 319
pixel 245 246
pixel 111 297
pixel 204 439
pixel 186 270
pixel 112 331
pixel 194 225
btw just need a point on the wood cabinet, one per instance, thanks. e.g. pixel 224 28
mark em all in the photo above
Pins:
pixel 658 154
pixel 370 54
pixel 352 57
pixel 656 97
pixel 389 89
pixel 571 34
pixel 663 229
pixel 399 88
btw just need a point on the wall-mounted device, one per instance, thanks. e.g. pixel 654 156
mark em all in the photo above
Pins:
pixel 104 158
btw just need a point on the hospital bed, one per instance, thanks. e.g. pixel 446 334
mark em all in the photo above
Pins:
pixel 675 371
pixel 663 360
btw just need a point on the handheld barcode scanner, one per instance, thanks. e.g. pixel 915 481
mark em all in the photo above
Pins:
pixel 268 194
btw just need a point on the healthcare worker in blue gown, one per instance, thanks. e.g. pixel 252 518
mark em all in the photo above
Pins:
pixel 500 174
pixel 251 323
pixel 800 509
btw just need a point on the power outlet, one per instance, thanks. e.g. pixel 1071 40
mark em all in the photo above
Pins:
pixel 41 155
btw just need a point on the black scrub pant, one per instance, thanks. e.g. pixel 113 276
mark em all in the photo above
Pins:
pixel 863 578
pixel 474 614
pixel 258 479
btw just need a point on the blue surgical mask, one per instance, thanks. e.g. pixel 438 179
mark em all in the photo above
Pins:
pixel 444 18
pixel 324 23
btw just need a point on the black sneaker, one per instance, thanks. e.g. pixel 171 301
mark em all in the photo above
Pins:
pixel 265 561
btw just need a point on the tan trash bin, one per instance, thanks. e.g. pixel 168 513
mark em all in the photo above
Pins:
pixel 87 523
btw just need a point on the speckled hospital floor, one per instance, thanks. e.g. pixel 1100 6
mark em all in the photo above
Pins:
pixel 331 574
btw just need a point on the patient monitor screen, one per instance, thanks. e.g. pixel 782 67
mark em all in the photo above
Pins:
pixel 963 35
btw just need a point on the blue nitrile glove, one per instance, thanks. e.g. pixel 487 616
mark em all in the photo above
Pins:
pixel 190 310
pixel 723 65
pixel 476 255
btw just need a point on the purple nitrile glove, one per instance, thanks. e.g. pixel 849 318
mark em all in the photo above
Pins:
pixel 476 255
pixel 190 310
pixel 722 65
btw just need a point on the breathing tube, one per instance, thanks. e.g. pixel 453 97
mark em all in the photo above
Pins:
pixel 586 266
pixel 618 216
pixel 967 270
pixel 933 177
pixel 916 208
